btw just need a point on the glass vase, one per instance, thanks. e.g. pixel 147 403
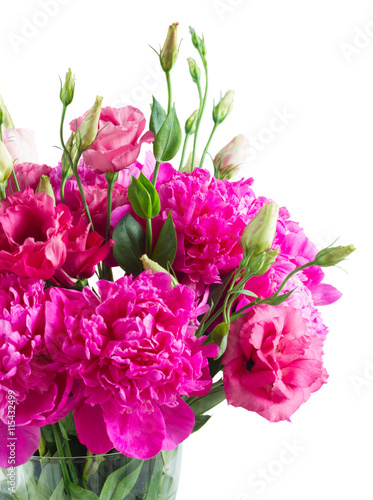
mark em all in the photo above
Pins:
pixel 112 476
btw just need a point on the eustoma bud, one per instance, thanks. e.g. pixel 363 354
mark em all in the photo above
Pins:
pixel 194 70
pixel 229 159
pixel 45 186
pixel 170 49
pixel 191 123
pixel 67 90
pixel 154 267
pixel 224 107
pixel 258 235
pixel 6 118
pixel 332 256
pixel 88 129
pixel 6 163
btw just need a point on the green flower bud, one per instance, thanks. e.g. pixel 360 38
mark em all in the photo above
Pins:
pixel 88 129
pixel 228 161
pixel 67 90
pixel 154 267
pixel 199 43
pixel 224 107
pixel 191 123
pixel 259 233
pixel 44 186
pixel 170 49
pixel 6 119
pixel 194 70
pixel 332 256
pixel 6 163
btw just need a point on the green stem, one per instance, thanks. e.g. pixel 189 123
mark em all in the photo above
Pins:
pixel 62 189
pixel 15 180
pixel 2 191
pixel 202 101
pixel 300 268
pixel 71 466
pixel 149 238
pixel 111 178
pixel 208 144
pixel 169 90
pixel 81 190
pixel 155 173
pixel 57 438
pixel 184 151
pixel 66 152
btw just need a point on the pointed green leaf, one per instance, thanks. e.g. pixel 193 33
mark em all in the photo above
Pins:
pixel 275 301
pixel 165 249
pixel 201 420
pixel 79 493
pixel 154 197
pixel 155 482
pixel 205 403
pixel 129 245
pixel 157 117
pixel 121 482
pixel 168 140
pixel 219 336
pixel 249 293
pixel 59 492
pixel 139 199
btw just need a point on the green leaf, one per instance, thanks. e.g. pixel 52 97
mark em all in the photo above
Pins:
pixel 120 483
pixel 219 336
pixel 156 203
pixel 129 245
pixel 165 249
pixel 249 293
pixel 59 492
pixel 143 197
pixel 78 493
pixel 155 482
pixel 275 301
pixel 139 199
pixel 201 420
pixel 49 480
pixel 167 488
pixel 157 117
pixel 168 140
pixel 205 403
pixel 5 494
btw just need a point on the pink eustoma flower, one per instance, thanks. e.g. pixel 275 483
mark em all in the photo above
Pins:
pixel 28 175
pixel 133 353
pixel 273 363
pixel 119 142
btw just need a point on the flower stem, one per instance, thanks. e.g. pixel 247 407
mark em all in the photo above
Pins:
pixel 155 173
pixel 57 438
pixel 208 144
pixel 184 150
pixel 169 90
pixel 149 238
pixel 202 101
pixel 111 178
pixel 81 190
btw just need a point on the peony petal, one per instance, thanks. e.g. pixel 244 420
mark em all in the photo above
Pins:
pixel 179 421
pixel 91 429
pixel 23 443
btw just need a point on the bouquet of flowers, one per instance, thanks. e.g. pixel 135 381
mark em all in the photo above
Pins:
pixel 215 297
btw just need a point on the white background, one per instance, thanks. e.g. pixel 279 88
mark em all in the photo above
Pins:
pixel 310 59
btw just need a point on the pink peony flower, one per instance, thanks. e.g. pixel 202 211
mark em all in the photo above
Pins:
pixel 20 143
pixel 40 392
pixel 273 362
pixel 209 216
pixel 28 175
pixel 118 144
pixel 134 353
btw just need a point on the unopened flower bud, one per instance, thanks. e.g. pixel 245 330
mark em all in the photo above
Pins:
pixel 45 186
pixel 6 163
pixel 154 267
pixel 67 90
pixel 194 70
pixel 191 123
pixel 331 256
pixel 224 107
pixel 88 129
pixel 229 159
pixel 198 42
pixel 170 49
pixel 6 119
pixel 259 233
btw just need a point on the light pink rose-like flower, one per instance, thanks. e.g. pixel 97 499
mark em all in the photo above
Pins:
pixel 40 392
pixel 133 353
pixel 28 175
pixel 119 142
pixel 20 142
pixel 273 362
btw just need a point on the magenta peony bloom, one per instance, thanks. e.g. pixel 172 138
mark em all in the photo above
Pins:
pixel 209 216
pixel 273 362
pixel 28 175
pixel 118 144
pixel 26 368
pixel 133 352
